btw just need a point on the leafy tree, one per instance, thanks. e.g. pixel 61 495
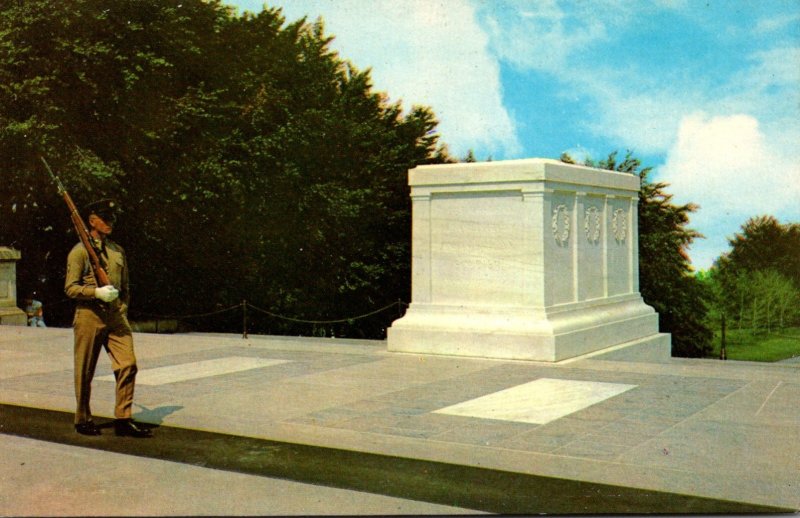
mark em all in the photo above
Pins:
pixel 764 244
pixel 757 283
pixel 567 158
pixel 759 299
pixel 777 296
pixel 251 161
pixel 666 281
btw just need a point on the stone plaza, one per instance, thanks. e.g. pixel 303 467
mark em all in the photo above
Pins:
pixel 724 431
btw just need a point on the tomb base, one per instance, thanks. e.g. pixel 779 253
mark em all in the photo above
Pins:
pixel 543 334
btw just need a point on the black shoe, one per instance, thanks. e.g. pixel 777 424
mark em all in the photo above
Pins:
pixel 127 428
pixel 87 428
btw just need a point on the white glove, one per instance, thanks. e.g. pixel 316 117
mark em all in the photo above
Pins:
pixel 106 293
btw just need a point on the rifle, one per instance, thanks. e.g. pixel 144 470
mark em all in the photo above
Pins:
pixel 97 264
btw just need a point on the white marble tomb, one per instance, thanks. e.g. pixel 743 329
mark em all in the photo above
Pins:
pixel 525 259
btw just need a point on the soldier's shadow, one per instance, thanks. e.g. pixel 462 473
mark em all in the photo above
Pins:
pixel 153 417
pixel 149 417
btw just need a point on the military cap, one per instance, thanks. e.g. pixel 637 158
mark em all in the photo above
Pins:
pixel 107 209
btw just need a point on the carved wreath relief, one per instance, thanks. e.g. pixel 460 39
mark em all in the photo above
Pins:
pixel 561 224
pixel 591 224
pixel 619 225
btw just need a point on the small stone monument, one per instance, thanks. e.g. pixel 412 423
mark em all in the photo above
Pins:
pixel 10 314
pixel 525 259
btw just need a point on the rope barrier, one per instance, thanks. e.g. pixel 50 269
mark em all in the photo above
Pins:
pixel 178 317
pixel 244 305
pixel 338 321
pixel 274 315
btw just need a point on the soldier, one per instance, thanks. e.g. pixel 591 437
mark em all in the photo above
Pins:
pixel 101 321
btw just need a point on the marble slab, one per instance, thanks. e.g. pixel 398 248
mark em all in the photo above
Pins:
pixel 196 370
pixel 537 402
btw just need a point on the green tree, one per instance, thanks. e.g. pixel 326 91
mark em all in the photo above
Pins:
pixel 763 244
pixel 758 281
pixel 759 300
pixel 252 162
pixel 666 280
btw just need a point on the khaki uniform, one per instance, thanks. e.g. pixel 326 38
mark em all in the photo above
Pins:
pixel 101 325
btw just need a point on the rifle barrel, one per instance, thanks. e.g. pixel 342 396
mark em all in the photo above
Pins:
pixel 55 178
pixel 97 264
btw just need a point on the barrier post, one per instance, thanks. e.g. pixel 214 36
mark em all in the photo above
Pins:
pixel 723 353
pixel 244 319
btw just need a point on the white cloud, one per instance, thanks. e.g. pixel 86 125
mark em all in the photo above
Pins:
pixel 742 161
pixel 540 34
pixel 733 170
pixel 431 53
pixel 776 23
pixel 728 156
pixel 639 104
pixel 770 84
pixel 646 115
pixel 644 120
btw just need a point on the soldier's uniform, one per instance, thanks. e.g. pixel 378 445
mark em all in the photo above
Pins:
pixel 99 325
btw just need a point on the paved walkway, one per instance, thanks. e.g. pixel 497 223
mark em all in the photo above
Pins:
pixel 720 430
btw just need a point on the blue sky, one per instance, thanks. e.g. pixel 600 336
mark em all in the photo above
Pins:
pixel 707 92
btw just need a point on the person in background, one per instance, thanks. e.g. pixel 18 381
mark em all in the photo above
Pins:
pixel 35 311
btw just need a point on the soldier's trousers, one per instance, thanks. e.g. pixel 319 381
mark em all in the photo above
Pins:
pixel 98 327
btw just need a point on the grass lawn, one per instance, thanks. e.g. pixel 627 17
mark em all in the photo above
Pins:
pixel 743 344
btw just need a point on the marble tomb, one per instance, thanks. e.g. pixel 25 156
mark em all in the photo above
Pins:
pixel 528 259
